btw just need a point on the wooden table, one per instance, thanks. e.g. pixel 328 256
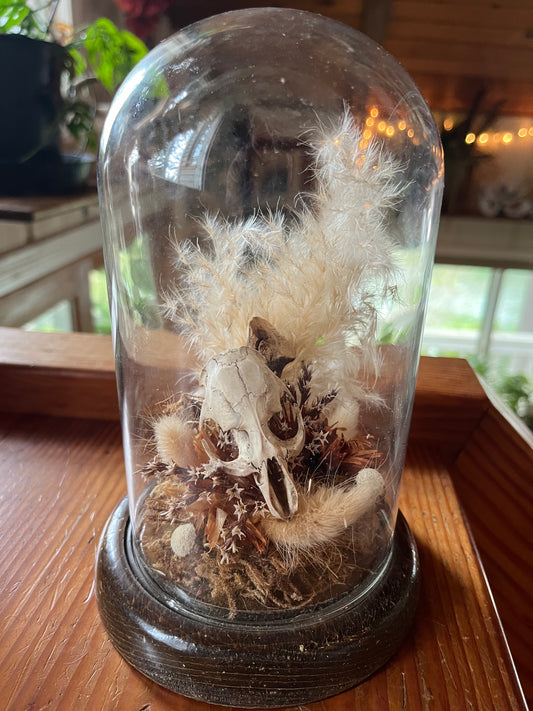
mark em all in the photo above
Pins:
pixel 48 246
pixel 61 474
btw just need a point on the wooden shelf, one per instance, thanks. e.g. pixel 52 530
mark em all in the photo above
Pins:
pixel 62 474
pixel 485 242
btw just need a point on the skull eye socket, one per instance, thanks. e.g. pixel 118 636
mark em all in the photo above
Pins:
pixel 284 424
pixel 220 442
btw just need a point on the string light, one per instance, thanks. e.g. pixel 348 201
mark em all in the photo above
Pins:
pixel 486 138
pixel 374 124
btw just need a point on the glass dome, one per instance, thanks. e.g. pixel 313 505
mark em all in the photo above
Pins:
pixel 270 185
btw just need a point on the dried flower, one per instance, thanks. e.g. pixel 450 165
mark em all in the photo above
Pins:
pixel 315 279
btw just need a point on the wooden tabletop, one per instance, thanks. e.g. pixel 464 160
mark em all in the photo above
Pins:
pixel 62 474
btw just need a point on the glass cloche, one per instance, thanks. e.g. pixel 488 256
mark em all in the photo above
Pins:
pixel 270 185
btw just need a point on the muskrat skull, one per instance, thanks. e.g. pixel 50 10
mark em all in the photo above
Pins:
pixel 254 415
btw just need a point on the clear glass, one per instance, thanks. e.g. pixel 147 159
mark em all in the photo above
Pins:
pixel 270 184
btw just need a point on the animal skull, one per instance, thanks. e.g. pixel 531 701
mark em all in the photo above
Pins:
pixel 254 416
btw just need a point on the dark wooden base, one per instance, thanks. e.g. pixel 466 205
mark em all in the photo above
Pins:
pixel 253 661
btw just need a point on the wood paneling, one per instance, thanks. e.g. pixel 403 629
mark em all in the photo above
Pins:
pixel 453 48
pixel 450 47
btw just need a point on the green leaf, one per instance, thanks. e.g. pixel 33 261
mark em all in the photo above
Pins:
pixel 79 63
pixel 112 53
pixel 12 13
pixel 17 18
pixel 78 118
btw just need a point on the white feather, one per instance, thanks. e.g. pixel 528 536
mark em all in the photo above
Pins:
pixel 318 279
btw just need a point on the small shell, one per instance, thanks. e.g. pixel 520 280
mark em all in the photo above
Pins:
pixel 183 539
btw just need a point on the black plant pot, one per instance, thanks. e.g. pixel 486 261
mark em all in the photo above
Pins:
pixel 30 74
pixel 30 157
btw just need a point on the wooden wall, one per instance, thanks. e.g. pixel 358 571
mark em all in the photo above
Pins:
pixel 450 47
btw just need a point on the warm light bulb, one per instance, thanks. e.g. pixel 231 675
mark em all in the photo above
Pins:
pixel 507 137
pixel 522 132
pixel 374 112
pixel 390 131
pixel 402 125
pixel 410 133
pixel 470 138
pixel 367 133
pixel 448 123
pixel 370 121
pixel 531 131
pixel 382 126
pixel 483 137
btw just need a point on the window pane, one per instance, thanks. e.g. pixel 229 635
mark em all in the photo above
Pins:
pixel 58 318
pixel 456 306
pixel 515 306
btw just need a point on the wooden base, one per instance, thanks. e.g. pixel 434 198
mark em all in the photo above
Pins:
pixel 262 660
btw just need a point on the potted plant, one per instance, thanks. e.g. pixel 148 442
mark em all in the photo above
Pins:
pixel 45 77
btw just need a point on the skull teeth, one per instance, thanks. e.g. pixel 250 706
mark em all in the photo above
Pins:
pixel 250 425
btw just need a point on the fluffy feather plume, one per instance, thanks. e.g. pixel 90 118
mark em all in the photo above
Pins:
pixel 174 440
pixel 325 514
pixel 316 278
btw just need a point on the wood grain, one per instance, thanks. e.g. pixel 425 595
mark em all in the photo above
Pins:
pixel 72 374
pixel 449 404
pixel 451 48
pixel 465 46
pixel 493 476
pixel 68 374
pixel 60 480
pixel 464 432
